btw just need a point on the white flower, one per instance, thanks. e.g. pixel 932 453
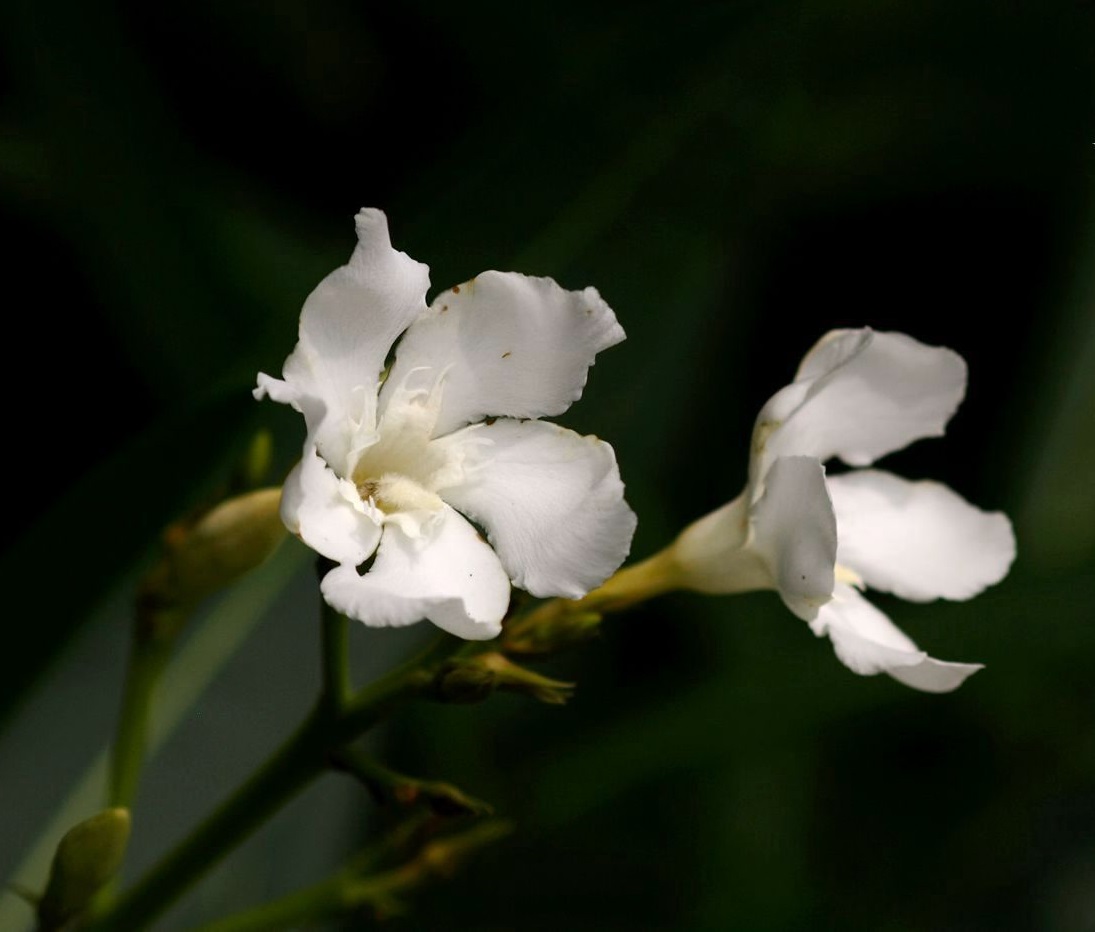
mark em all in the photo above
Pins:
pixel 397 466
pixel 819 539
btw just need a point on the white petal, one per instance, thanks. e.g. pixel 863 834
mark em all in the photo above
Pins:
pixel 348 325
pixel 918 540
pixel 508 345
pixel 796 534
pixel 551 501
pixel 860 395
pixel 448 575
pixel 320 510
pixel 867 642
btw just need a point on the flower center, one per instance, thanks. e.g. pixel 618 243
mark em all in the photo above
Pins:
pixel 401 469
pixel 393 493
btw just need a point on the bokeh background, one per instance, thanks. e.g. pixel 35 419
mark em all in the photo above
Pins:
pixel 736 179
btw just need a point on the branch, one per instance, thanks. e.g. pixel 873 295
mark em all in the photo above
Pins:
pixel 389 787
pixel 349 891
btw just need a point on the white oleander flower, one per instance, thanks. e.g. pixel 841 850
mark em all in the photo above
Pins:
pixel 399 466
pixel 820 539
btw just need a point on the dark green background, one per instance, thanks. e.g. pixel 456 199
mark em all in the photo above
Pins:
pixel 736 179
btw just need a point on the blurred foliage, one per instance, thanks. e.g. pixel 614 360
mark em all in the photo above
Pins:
pixel 736 178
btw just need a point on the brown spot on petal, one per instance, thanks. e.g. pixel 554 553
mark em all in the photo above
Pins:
pixel 456 289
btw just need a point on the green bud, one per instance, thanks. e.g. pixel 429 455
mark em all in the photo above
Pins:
pixel 473 679
pixel 443 856
pixel 210 554
pixel 87 859
pixel 517 679
pixel 234 537
pixel 548 633
pixel 464 682
pixel 443 798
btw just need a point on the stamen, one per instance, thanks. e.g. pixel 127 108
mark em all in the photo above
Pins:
pixel 849 577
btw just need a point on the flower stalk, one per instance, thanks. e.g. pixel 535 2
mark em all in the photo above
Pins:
pixel 202 556
pixel 340 717
pixel 147 661
pixel 293 767
pixel 337 688
pixel 390 787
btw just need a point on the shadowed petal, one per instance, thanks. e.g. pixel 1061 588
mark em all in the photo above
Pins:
pixel 551 502
pixel 860 395
pixel 796 534
pixel 449 576
pixel 319 508
pixel 867 642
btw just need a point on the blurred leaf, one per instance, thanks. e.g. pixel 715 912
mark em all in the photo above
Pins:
pixel 203 654
pixel 1058 518
pixel 126 501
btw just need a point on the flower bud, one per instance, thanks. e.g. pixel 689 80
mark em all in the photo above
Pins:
pixel 213 552
pixel 474 678
pixel 464 682
pixel 545 632
pixel 513 678
pixel 87 858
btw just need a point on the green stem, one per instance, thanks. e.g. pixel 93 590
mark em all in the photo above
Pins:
pixel 348 891
pixel 388 786
pixel 336 659
pixel 299 761
pixel 312 904
pixel 147 660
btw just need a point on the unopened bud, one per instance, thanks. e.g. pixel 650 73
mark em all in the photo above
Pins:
pixel 464 682
pixel 221 546
pixel 474 678
pixel 513 678
pixel 548 632
pixel 443 856
pixel 87 859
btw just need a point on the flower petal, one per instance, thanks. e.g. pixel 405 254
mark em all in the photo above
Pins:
pixel 551 501
pixel 867 642
pixel 318 507
pixel 918 540
pixel 795 532
pixel 448 575
pixel 507 344
pixel 859 395
pixel 348 325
